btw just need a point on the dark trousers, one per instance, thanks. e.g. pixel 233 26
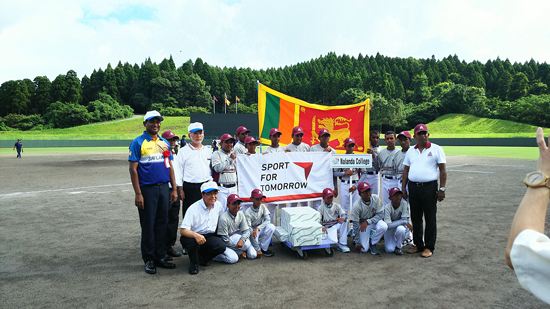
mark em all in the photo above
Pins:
pixel 172 229
pixel 213 246
pixel 423 202
pixel 192 192
pixel 153 219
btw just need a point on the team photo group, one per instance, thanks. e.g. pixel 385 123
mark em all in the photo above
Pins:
pixel 392 201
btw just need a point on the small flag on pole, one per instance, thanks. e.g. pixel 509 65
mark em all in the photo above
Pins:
pixel 226 100
pixel 238 100
pixel 215 98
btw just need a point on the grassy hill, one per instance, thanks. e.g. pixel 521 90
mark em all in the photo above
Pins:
pixel 447 126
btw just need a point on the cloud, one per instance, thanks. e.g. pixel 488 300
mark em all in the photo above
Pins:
pixel 52 37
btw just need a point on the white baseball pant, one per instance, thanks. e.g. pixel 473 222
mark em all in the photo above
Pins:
pixel 229 256
pixel 247 247
pixel 344 195
pixel 387 184
pixel 332 233
pixel 224 193
pixel 394 238
pixel 379 229
pixel 265 235
pixel 372 180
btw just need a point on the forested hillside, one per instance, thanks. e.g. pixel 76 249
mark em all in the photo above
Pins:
pixel 403 91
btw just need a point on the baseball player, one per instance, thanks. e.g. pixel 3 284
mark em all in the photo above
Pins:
pixel 240 136
pixel 275 137
pixel 223 163
pixel 367 215
pixel 324 138
pixel 262 228
pixel 370 175
pixel 297 145
pixel 387 170
pixel 234 229
pixel 404 138
pixel 397 217
pixel 333 220
pixel 250 143
pixel 348 178
pixel 19 147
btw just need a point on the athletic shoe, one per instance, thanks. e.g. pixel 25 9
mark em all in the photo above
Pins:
pixel 268 253
pixel 398 251
pixel 342 248
pixel 374 250
pixel 351 233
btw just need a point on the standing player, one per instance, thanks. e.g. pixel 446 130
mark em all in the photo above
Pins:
pixel 424 164
pixel 241 135
pixel 348 178
pixel 150 171
pixel 387 170
pixel 367 215
pixel 234 229
pixel 297 145
pixel 174 210
pixel 404 138
pixel 333 219
pixel 324 137
pixel 250 143
pixel 275 137
pixel 396 216
pixel 370 175
pixel 223 163
pixel 260 222
pixel 19 147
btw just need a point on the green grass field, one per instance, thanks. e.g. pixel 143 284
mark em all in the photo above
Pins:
pixel 530 153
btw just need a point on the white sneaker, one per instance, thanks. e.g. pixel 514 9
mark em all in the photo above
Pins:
pixel 342 248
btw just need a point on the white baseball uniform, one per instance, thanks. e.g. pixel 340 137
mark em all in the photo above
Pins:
pixel 329 220
pixel 387 173
pixel 232 229
pixel 319 148
pixel 373 213
pixel 397 220
pixel 225 166
pixel 258 218
pixel 371 175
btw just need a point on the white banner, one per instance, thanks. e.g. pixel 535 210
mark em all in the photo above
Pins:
pixel 285 176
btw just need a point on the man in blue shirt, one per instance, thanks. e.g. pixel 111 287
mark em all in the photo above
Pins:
pixel 150 171
pixel 19 147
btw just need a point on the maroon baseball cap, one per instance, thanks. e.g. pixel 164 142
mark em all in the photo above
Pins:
pixel 297 130
pixel 328 192
pixel 363 186
pixel 274 131
pixel 226 136
pixel 349 141
pixel 168 135
pixel 257 193
pixel 420 128
pixel 404 133
pixel 233 198
pixel 323 132
pixel 242 129
pixel 250 139
pixel 395 190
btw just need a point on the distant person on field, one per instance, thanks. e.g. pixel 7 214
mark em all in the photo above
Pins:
pixel 182 141
pixel 528 249
pixel 19 147
pixel 150 171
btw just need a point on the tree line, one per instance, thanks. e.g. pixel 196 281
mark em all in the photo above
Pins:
pixel 403 91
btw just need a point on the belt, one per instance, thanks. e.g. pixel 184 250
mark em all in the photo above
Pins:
pixel 389 177
pixel 372 173
pixel 229 185
pixel 421 184
pixel 348 181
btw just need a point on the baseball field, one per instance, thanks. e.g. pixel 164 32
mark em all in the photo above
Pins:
pixel 69 237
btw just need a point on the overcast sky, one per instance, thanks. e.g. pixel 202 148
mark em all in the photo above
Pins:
pixel 51 37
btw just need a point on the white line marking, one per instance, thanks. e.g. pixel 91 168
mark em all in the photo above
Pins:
pixel 479 172
pixel 64 189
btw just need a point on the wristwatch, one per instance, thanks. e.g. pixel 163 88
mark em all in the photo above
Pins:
pixel 442 189
pixel 536 180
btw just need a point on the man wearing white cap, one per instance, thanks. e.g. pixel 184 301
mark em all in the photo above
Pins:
pixel 367 215
pixel 223 163
pixel 234 229
pixel 333 220
pixel 150 171
pixel 297 145
pixel 241 135
pixel 323 146
pixel 198 229
pixel 424 165
pixel 193 164
pixel 396 216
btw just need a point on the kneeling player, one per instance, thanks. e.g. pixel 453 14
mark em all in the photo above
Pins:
pixel 396 215
pixel 259 219
pixel 366 216
pixel 333 219
pixel 234 229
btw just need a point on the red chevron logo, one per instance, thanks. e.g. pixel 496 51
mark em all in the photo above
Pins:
pixel 306 166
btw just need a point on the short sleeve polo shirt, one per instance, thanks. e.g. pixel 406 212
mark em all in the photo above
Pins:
pixel 148 152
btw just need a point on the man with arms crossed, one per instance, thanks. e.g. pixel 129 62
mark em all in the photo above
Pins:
pixel 150 171
pixel 424 164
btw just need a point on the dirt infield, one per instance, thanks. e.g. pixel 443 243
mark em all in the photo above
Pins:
pixel 69 237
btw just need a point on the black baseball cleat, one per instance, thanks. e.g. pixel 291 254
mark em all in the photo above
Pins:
pixel 268 253
pixel 162 263
pixel 150 268
pixel 171 252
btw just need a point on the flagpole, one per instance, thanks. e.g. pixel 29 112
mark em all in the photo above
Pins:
pixel 214 104
pixel 225 103
pixel 236 104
